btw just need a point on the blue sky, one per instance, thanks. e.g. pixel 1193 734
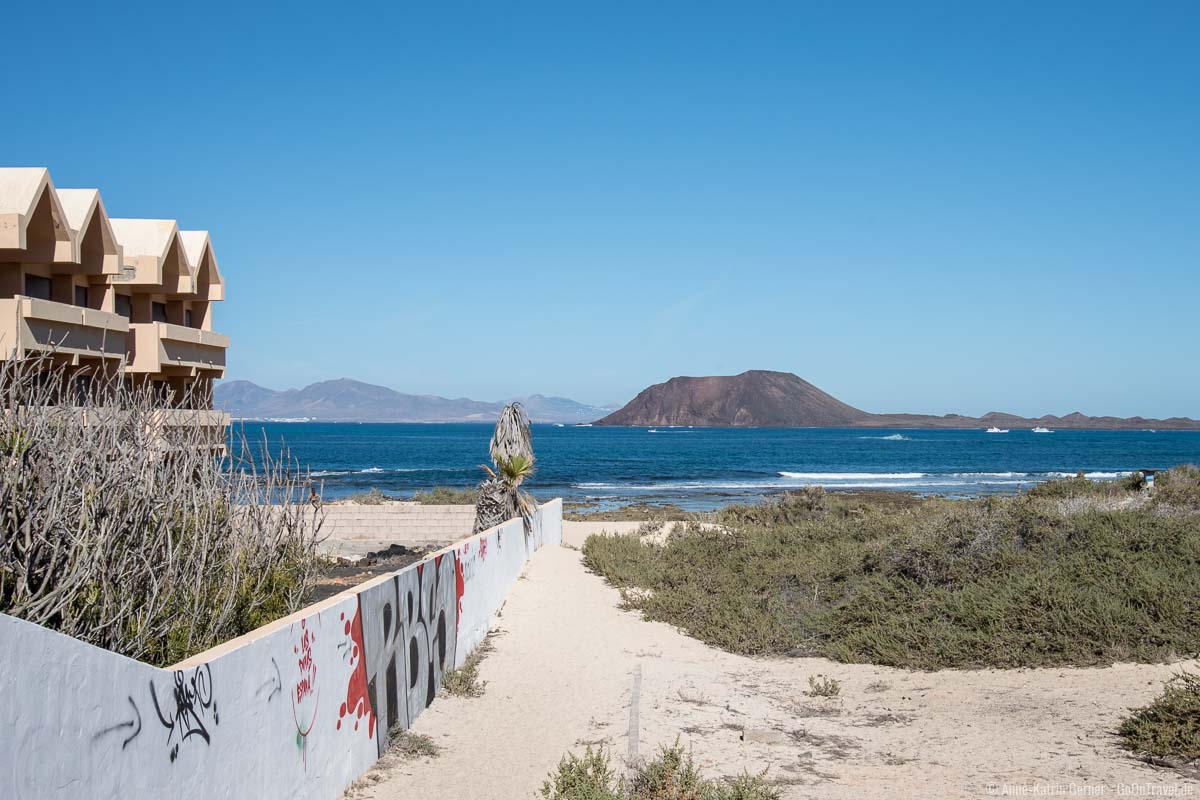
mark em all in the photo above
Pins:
pixel 918 207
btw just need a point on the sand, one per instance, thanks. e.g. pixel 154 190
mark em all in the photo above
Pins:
pixel 571 668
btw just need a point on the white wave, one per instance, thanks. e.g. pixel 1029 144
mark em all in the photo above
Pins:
pixel 895 437
pixel 991 474
pixel 683 485
pixel 1090 475
pixel 700 486
pixel 851 476
pixel 328 473
pixel 370 471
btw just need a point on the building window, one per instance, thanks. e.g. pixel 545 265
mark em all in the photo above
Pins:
pixel 125 306
pixel 37 286
pixel 81 296
pixel 158 312
pixel 187 318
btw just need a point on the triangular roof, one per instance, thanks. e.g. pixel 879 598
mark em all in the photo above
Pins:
pixel 86 216
pixel 146 245
pixel 197 246
pixel 144 237
pixel 25 193
pixel 78 205
pixel 20 188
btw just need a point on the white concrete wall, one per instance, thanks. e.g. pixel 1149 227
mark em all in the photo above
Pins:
pixel 298 708
pixel 398 522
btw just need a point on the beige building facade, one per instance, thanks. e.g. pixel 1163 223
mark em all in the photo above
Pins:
pixel 98 291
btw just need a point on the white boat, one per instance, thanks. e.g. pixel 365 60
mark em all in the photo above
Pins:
pixel 559 425
pixel 652 430
pixel 994 429
pixel 1040 429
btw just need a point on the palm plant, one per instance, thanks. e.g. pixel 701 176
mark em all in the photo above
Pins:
pixel 500 495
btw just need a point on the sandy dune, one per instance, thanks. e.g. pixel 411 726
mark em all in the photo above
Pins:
pixel 570 668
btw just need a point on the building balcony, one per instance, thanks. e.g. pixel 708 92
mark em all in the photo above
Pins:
pixel 30 325
pixel 161 347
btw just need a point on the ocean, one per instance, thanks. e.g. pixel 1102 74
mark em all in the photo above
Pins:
pixel 704 468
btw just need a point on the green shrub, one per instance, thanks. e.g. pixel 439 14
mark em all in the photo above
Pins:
pixel 671 775
pixel 1134 482
pixel 1076 486
pixel 464 681
pixel 1169 728
pixel 446 496
pixel 374 497
pixel 586 777
pixel 997 582
pixel 822 686
pixel 1178 487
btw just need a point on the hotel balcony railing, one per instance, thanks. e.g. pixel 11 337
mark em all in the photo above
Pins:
pixel 160 347
pixel 30 324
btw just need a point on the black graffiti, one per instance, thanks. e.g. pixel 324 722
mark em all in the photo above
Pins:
pixel 409 631
pixel 193 702
pixel 275 684
pixel 135 726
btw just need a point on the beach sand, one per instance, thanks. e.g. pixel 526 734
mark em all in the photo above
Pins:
pixel 570 668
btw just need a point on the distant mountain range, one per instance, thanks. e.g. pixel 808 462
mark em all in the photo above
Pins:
pixel 348 400
pixel 760 398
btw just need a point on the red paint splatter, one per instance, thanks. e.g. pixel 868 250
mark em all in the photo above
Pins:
pixel 357 701
pixel 482 548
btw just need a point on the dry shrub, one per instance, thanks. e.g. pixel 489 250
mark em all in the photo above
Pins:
pixel 125 526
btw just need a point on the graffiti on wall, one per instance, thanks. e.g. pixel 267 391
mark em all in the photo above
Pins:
pixel 310 693
pixel 127 729
pixel 406 645
pixel 305 693
pixel 189 709
pixel 356 705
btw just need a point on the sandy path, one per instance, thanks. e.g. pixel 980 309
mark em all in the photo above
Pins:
pixel 567 662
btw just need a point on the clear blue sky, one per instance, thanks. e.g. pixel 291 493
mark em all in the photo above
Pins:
pixel 918 207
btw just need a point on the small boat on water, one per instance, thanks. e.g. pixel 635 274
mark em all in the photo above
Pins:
pixel 559 425
pixel 1040 429
pixel 994 429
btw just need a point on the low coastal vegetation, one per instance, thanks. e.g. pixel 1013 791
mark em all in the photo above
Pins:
pixel 437 496
pixel 1073 572
pixel 1168 730
pixel 671 775
pixel 372 497
pixel 121 527
pixel 464 681
pixel 446 496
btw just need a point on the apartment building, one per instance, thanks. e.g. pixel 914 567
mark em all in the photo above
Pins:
pixel 99 291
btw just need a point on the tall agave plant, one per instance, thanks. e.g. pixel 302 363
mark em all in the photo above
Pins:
pixel 500 495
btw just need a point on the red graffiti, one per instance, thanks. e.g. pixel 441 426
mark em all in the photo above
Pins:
pixel 357 704
pixel 304 714
pixel 308 667
pixel 482 548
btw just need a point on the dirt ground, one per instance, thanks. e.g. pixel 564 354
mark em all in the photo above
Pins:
pixel 570 668
pixel 344 573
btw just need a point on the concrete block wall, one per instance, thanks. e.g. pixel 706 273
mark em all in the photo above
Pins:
pixel 400 522
pixel 299 708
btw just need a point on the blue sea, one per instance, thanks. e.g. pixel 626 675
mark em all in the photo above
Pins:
pixel 703 468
